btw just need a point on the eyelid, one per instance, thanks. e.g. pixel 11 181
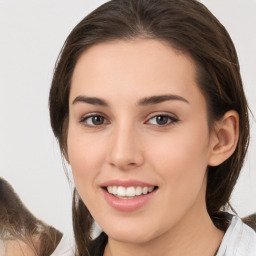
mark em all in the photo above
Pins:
pixel 174 118
pixel 93 114
pixel 96 113
pixel 159 113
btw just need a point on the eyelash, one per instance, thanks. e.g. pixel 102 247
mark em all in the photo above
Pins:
pixel 171 120
pixel 84 120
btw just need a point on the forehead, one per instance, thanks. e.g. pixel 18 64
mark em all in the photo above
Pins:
pixel 136 68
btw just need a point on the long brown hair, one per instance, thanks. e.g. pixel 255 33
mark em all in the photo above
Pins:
pixel 18 224
pixel 186 25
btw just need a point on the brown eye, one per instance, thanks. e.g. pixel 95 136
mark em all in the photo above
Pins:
pixel 97 120
pixel 94 120
pixel 162 120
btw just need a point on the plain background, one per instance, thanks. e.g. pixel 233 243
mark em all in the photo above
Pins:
pixel 31 36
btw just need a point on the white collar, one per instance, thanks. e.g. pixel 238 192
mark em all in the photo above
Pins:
pixel 239 240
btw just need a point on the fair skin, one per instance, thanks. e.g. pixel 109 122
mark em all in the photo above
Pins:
pixel 19 248
pixel 136 116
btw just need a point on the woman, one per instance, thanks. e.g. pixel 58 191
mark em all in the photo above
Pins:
pixel 20 232
pixel 149 110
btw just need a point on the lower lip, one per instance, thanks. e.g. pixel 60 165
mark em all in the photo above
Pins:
pixel 127 205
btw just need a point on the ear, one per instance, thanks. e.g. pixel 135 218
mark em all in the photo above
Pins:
pixel 224 138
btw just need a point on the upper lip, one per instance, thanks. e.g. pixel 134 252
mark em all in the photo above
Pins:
pixel 126 183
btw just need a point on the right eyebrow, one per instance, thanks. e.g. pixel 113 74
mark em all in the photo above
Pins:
pixel 161 98
pixel 90 100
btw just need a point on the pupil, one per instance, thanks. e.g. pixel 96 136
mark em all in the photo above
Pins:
pixel 97 120
pixel 162 120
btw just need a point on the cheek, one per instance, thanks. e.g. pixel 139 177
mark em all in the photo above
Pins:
pixel 183 169
pixel 182 159
pixel 85 157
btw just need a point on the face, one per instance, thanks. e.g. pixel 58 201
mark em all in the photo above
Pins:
pixel 138 138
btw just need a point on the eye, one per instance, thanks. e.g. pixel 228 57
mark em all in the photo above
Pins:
pixel 162 120
pixel 93 120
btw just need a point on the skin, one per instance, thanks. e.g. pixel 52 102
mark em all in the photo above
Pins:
pixel 130 144
pixel 19 248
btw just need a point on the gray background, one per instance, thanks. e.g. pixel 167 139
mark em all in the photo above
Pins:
pixel 31 35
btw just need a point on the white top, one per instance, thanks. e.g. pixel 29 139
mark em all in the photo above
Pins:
pixel 66 247
pixel 239 240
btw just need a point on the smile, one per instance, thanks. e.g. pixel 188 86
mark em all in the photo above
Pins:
pixel 129 192
pixel 128 196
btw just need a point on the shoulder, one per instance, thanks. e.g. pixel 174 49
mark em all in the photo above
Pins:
pixel 239 240
pixel 16 247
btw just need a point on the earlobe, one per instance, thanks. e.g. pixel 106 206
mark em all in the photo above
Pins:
pixel 225 138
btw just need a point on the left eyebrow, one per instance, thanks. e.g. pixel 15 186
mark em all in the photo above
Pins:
pixel 161 98
pixel 90 100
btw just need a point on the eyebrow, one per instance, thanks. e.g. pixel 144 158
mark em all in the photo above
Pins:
pixel 161 98
pixel 90 100
pixel 142 102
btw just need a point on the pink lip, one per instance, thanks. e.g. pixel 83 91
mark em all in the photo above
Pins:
pixel 127 205
pixel 126 183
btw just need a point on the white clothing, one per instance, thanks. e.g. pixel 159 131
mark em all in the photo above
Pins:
pixel 66 247
pixel 239 240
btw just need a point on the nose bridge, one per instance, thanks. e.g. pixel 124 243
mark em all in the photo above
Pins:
pixel 125 150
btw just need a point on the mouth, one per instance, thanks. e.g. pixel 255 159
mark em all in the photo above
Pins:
pixel 131 192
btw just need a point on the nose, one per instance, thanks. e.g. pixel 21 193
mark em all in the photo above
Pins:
pixel 125 149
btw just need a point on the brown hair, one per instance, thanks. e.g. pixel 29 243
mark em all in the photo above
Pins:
pixel 18 224
pixel 250 221
pixel 186 25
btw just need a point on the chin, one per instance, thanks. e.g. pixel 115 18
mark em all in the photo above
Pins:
pixel 131 233
pixel 130 237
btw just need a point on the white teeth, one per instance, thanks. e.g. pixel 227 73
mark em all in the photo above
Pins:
pixel 114 192
pixel 110 189
pixel 121 191
pixel 138 191
pixel 150 189
pixel 130 191
pixel 145 190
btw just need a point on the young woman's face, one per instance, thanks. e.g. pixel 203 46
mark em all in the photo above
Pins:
pixel 138 138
